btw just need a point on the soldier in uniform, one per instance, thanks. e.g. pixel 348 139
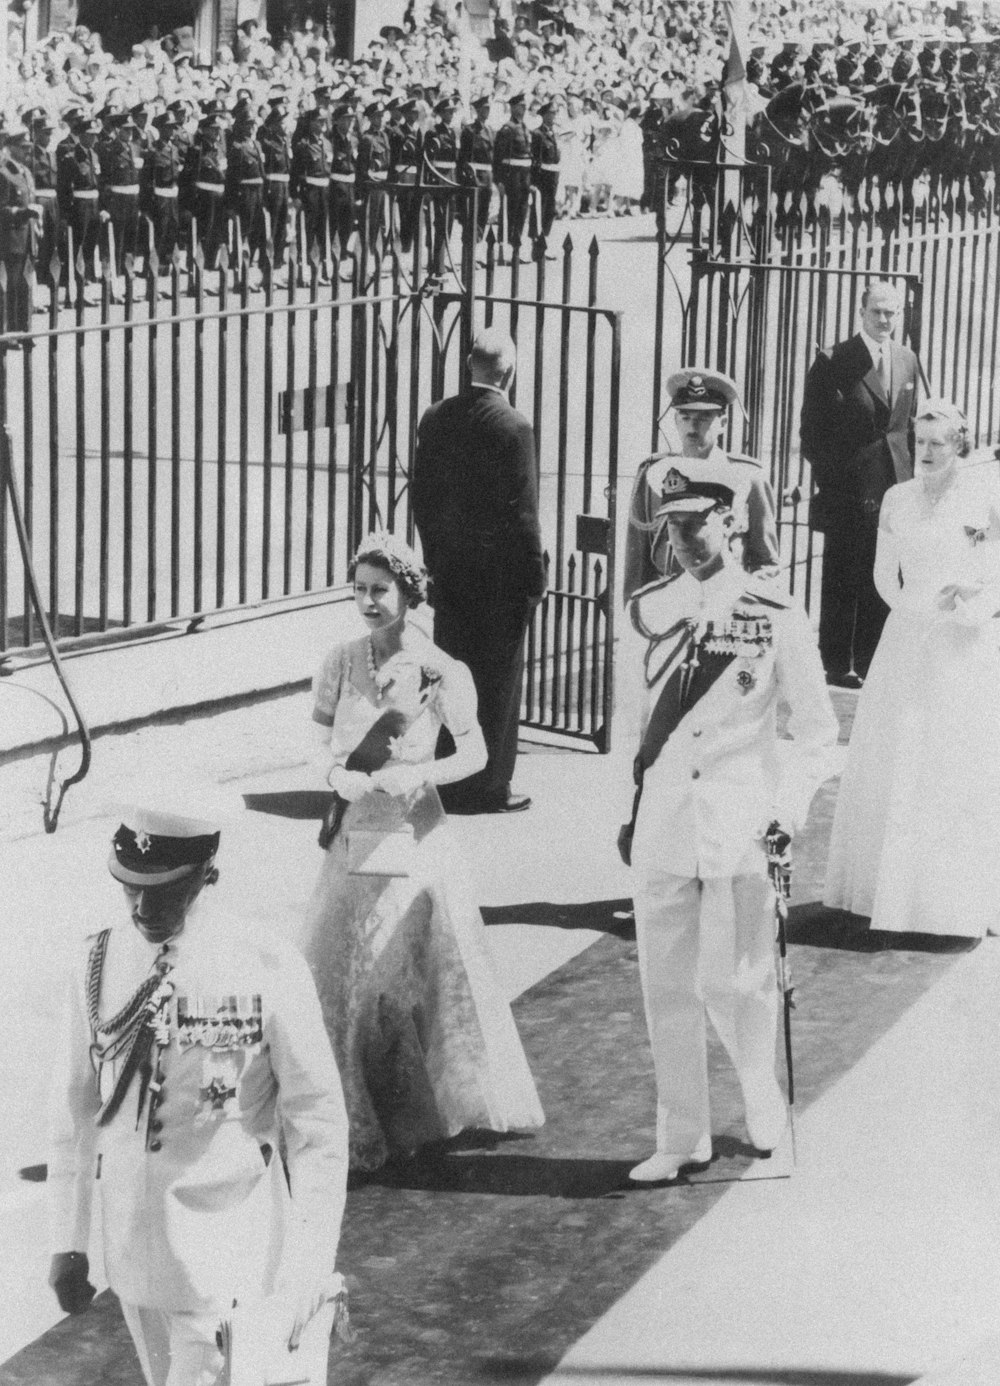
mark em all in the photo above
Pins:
pixel 440 168
pixel 20 215
pixel 79 190
pixel 343 173
pixel 512 163
pixel 277 152
pixel 406 147
pixel 545 168
pixel 700 400
pixel 475 160
pixel 192 1050
pixel 120 170
pixel 161 188
pixel 245 182
pixel 42 163
pixel 723 650
pixel 371 172
pixel 209 163
pixel 311 180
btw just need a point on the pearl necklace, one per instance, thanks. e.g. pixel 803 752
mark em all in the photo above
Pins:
pixel 372 670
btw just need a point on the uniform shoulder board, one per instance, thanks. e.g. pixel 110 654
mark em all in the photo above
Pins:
pixel 745 461
pixel 766 593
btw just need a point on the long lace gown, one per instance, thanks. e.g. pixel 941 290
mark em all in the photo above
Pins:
pixel 424 1039
pixel 916 833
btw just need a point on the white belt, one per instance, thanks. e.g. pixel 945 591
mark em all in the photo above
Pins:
pixel 318 182
pixel 211 187
pixel 518 163
pixel 165 192
pixel 251 182
pixel 549 168
pixel 123 188
pixel 278 177
pixel 482 168
pixel 88 193
pixel 443 166
pixel 45 192
pixel 377 175
pixel 341 177
pixel 407 168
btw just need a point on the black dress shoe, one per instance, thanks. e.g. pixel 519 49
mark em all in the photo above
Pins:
pixel 837 679
pixel 506 803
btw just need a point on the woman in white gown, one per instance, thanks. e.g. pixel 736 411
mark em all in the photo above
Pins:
pixel 916 833
pixel 424 1038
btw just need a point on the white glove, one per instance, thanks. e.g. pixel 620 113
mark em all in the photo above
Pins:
pixel 399 779
pixel 349 784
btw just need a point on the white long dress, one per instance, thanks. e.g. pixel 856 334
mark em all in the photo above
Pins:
pixel 423 1036
pixel 916 833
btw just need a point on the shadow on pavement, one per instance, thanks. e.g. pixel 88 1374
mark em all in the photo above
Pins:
pixel 291 803
pixel 528 1369
pixel 608 916
pixel 816 926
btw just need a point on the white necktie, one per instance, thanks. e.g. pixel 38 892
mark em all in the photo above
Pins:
pixel 883 370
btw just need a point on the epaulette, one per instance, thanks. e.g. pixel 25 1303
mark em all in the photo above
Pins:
pixel 746 461
pixel 761 593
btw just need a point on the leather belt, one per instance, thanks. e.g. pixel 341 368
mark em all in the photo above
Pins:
pixel 278 177
pixel 518 163
pixel 124 188
pixel 251 182
pixel 165 192
pixel 211 187
pixel 88 193
pixel 318 182
pixel 342 178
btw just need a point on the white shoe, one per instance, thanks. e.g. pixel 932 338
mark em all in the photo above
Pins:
pixel 666 1164
pixel 766 1119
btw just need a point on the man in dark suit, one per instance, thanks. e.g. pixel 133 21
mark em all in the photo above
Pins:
pixel 475 503
pixel 859 399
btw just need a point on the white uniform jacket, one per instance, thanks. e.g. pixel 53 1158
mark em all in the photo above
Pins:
pixel 193 1217
pixel 723 774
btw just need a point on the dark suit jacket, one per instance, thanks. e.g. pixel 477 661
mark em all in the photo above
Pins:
pixel 855 439
pixel 475 498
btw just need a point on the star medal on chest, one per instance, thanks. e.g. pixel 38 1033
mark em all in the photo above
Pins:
pixel 216 1094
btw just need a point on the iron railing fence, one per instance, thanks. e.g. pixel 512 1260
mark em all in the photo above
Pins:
pixel 788 286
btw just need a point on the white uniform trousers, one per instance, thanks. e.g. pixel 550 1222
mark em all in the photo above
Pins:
pixel 705 946
pixel 175 1349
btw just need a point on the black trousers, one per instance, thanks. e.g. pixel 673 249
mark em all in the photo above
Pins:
pixel 547 185
pixel 276 203
pixel 165 215
pixel 518 196
pixel 124 212
pixel 248 205
pixel 210 210
pixel 490 640
pixel 342 211
pixel 852 613
pixel 15 303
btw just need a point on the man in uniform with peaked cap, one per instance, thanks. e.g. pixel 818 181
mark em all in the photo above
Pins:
pixel 723 649
pixel 193 1049
pixel 701 400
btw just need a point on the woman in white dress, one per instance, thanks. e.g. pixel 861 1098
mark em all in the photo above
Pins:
pixel 916 833
pixel 424 1038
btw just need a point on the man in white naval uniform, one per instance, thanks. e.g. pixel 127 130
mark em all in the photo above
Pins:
pixel 723 650
pixel 701 400
pixel 192 1050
